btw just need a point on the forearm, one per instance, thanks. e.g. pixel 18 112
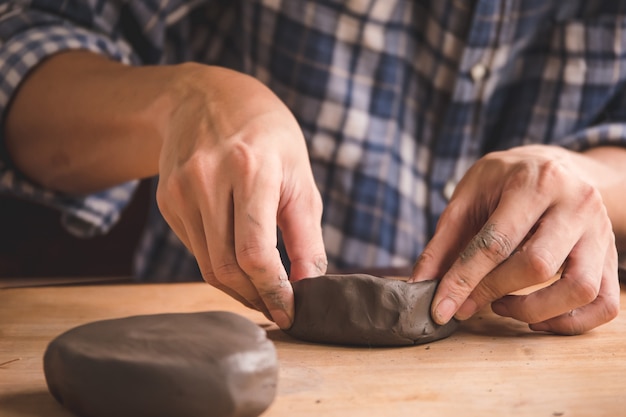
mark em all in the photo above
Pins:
pixel 80 122
pixel 607 171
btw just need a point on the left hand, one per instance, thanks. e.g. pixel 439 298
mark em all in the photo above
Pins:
pixel 515 220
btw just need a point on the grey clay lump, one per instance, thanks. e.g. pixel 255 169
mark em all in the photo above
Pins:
pixel 365 310
pixel 213 364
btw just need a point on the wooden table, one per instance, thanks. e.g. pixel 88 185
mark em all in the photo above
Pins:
pixel 490 367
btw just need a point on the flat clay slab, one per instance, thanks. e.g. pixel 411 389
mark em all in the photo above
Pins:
pixel 365 310
pixel 193 364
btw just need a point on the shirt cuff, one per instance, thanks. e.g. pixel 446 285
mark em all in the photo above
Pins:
pixel 605 134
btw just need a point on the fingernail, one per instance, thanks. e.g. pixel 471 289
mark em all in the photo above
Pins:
pixel 281 318
pixel 467 310
pixel 444 311
pixel 500 309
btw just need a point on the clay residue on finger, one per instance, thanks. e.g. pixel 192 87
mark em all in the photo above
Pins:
pixel 276 294
pixel 253 220
pixel 485 239
pixel 281 309
pixel 321 264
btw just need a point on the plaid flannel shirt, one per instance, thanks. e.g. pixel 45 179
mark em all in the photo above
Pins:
pixel 396 98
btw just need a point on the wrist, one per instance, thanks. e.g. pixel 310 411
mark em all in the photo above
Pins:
pixel 608 176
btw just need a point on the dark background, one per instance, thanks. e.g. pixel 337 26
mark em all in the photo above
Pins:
pixel 34 244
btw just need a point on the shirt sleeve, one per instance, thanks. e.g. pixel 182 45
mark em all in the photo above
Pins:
pixel 608 133
pixel 29 35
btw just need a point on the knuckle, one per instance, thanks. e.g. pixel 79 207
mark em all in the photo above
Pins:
pixel 495 245
pixel 209 277
pixel 463 283
pixel 225 271
pixel 499 248
pixel 242 156
pixel 611 308
pixel 589 200
pixel 576 324
pixel 460 287
pixel 543 266
pixel 521 176
pixel 252 257
pixel 195 163
pixel 549 173
pixel 195 167
pixel 584 289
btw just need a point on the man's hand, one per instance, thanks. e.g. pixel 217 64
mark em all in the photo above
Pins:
pixel 516 219
pixel 233 167
pixel 232 162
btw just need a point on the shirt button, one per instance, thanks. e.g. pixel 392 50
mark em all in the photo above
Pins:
pixel 448 189
pixel 478 72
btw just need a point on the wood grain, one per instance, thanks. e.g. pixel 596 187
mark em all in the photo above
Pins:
pixel 491 366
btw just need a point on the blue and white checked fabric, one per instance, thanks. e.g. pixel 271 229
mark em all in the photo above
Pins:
pixel 396 98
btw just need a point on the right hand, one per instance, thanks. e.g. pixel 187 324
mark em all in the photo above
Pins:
pixel 233 166
pixel 519 218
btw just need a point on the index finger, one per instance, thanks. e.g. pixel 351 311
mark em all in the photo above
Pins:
pixel 492 245
pixel 255 210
